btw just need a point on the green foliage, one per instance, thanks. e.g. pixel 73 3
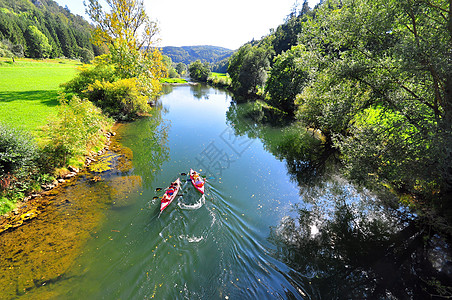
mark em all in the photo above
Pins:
pixel 88 74
pixel 287 78
pixel 248 69
pixel 38 43
pixel 199 71
pixel 219 79
pixel 181 69
pixel 17 153
pixel 67 35
pixel 189 54
pixel 79 124
pixel 121 99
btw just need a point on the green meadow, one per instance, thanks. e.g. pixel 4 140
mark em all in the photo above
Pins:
pixel 29 91
pixel 173 80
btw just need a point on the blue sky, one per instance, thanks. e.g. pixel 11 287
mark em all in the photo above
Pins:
pixel 227 24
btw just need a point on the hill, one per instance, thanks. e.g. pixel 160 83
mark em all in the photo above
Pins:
pixel 43 29
pixel 189 54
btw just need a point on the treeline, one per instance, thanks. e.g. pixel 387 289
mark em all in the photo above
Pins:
pixel 43 29
pixel 375 78
pixel 188 54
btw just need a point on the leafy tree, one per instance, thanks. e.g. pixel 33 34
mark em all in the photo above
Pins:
pixel 199 71
pixel 86 56
pixel 133 55
pixel 248 69
pixel 388 68
pixel 7 49
pixel 287 79
pixel 38 43
pixel 181 69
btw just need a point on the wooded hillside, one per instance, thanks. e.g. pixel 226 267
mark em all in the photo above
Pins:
pixel 41 29
pixel 189 54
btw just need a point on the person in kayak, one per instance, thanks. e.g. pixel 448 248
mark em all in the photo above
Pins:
pixel 171 189
pixel 198 181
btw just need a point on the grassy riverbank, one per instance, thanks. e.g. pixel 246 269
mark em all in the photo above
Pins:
pixel 34 154
pixel 29 91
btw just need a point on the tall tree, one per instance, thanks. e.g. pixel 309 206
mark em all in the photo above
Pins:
pixel 131 38
pixel 394 58
pixel 38 44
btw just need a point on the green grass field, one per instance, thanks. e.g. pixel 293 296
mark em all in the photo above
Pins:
pixel 173 80
pixel 29 91
pixel 215 74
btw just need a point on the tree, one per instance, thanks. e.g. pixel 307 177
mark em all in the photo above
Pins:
pixel 133 55
pixel 124 23
pixel 37 42
pixel 181 69
pixel 287 79
pixel 199 71
pixel 393 60
pixel 248 69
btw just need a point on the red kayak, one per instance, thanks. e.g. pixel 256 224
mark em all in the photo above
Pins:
pixel 170 194
pixel 197 180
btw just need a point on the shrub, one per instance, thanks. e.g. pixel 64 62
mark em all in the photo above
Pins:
pixel 122 99
pixel 220 80
pixel 88 75
pixel 18 166
pixel 17 153
pixel 78 125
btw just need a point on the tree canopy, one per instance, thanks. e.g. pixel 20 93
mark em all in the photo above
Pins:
pixel 67 35
pixel 375 77
pixel 131 38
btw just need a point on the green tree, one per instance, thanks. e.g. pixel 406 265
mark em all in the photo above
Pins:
pixel 37 42
pixel 131 37
pixel 199 71
pixel 248 69
pixel 395 57
pixel 181 69
pixel 287 79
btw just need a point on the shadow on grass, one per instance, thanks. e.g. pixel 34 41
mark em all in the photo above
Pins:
pixel 49 98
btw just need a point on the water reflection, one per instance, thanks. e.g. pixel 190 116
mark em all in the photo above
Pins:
pixel 309 161
pixel 150 145
pixel 200 91
pixel 346 243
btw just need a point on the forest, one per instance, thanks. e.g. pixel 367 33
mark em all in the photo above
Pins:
pixel 43 29
pixel 374 78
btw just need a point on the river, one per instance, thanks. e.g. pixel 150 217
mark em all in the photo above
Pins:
pixel 270 225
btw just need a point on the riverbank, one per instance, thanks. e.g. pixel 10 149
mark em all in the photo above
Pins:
pixel 35 203
pixel 42 238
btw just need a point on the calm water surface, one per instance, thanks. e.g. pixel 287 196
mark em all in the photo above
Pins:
pixel 227 243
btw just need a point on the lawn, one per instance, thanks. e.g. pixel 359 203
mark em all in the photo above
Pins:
pixel 29 91
pixel 173 80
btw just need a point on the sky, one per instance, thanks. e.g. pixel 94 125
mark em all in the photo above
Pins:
pixel 227 24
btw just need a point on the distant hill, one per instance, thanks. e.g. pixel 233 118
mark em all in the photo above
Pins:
pixel 189 54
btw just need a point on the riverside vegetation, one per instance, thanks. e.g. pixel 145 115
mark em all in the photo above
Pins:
pixel 374 77
pixel 116 86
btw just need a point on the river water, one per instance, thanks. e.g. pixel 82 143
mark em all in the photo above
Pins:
pixel 262 230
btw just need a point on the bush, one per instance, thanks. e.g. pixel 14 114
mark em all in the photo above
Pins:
pixel 199 71
pixel 78 125
pixel 17 153
pixel 220 80
pixel 18 166
pixel 122 99
pixel 88 75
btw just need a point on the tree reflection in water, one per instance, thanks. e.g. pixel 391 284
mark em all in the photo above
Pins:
pixel 347 243
pixel 150 147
